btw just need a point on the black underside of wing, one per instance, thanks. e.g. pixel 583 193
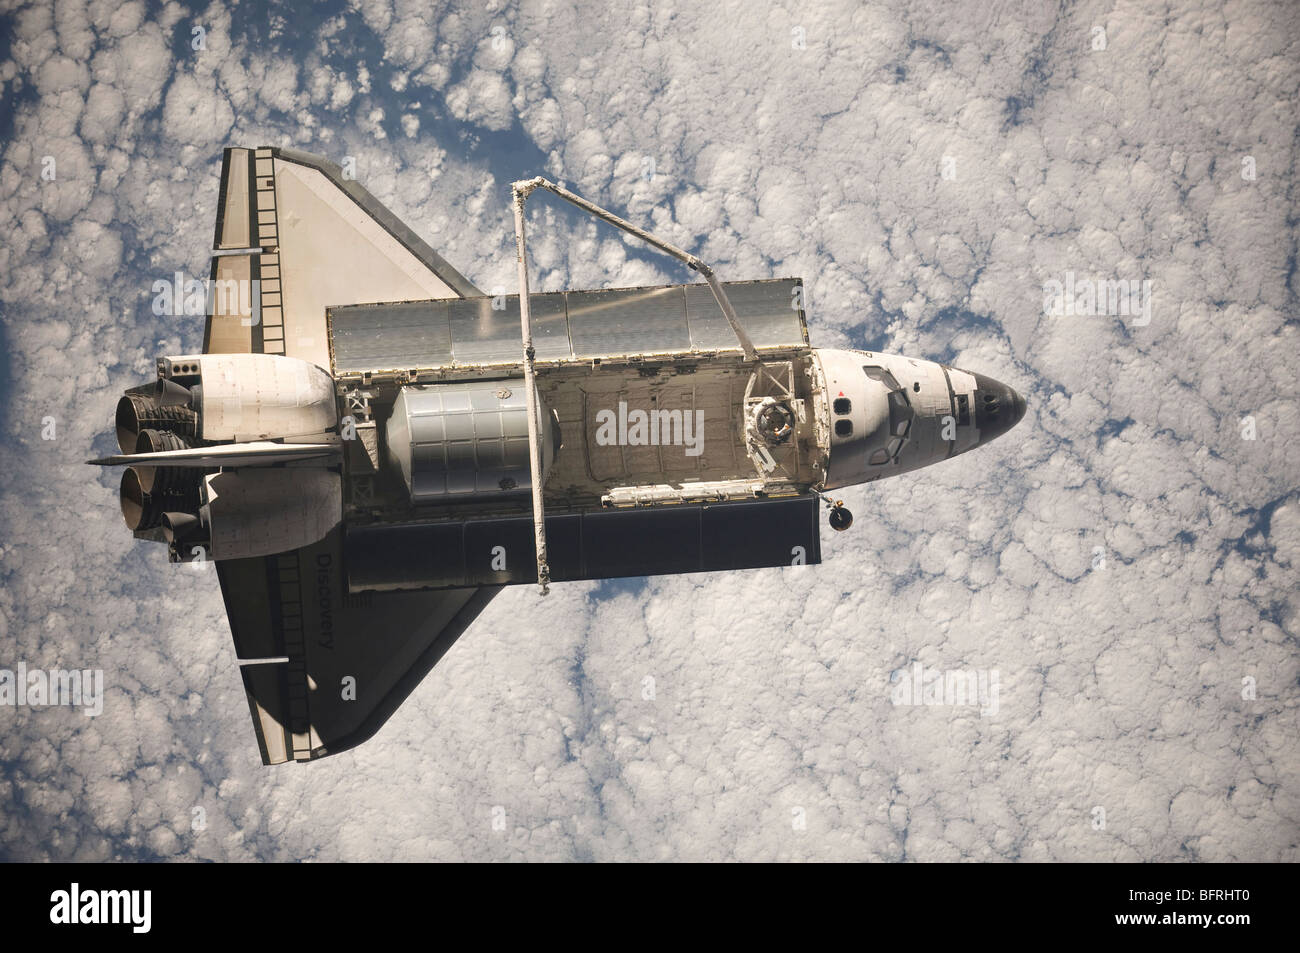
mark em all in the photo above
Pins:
pixel 324 669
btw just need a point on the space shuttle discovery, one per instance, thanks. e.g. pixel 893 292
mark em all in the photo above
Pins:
pixel 368 448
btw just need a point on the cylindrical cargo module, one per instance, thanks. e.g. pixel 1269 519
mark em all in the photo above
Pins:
pixel 468 439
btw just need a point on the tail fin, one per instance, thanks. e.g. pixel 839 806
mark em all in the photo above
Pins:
pixel 256 453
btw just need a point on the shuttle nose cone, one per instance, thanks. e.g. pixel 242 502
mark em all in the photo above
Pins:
pixel 998 408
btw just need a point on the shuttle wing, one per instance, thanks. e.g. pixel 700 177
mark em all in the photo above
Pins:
pixel 294 236
pixel 322 669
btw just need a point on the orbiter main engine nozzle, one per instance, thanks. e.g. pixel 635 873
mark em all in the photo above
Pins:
pixel 139 412
pixel 136 509
pixel 162 479
pixel 168 393
pixel 181 527
pixel 144 510
pixel 229 412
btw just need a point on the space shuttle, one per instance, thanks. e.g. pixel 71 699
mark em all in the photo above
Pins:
pixel 369 448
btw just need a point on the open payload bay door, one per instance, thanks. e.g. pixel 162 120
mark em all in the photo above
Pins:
pixel 390 337
pixel 295 236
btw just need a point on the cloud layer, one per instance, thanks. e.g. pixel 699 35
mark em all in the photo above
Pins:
pixel 1125 560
